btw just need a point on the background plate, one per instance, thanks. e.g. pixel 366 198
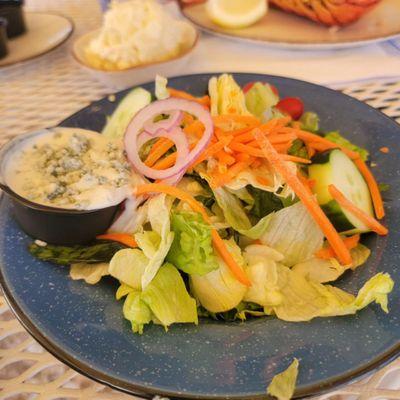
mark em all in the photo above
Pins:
pixel 280 29
pixel 84 327
pixel 44 32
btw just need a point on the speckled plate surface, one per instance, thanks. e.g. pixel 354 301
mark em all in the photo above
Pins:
pixel 285 30
pixel 83 325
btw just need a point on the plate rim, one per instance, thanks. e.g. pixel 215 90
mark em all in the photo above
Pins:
pixel 146 392
pixel 53 47
pixel 347 44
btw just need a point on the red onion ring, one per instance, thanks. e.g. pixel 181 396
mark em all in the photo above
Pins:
pixel 136 126
pixel 174 119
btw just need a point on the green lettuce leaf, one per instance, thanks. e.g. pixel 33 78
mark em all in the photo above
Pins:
pixel 134 101
pixel 226 95
pixel 294 233
pixel 339 139
pixel 283 385
pixel 90 273
pixel 192 250
pixel 260 98
pixel 155 244
pixel 220 291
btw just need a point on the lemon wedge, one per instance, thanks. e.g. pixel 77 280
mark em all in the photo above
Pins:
pixel 236 13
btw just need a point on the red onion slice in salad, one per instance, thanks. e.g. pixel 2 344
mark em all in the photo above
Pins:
pixel 174 119
pixel 136 128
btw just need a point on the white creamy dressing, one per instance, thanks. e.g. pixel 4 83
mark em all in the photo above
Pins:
pixel 70 168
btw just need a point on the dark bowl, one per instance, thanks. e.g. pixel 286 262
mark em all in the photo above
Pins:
pixel 11 10
pixel 52 224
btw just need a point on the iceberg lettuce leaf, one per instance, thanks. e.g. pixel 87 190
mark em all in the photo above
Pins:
pixel 283 385
pixel 219 290
pixel 293 297
pixel 90 273
pixel 136 311
pixel 128 266
pixel 294 233
pixel 226 95
pixel 260 98
pixel 322 271
pixel 155 244
pixel 167 298
pixel 192 250
pixel 236 216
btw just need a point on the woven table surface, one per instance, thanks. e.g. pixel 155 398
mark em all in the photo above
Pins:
pixel 44 91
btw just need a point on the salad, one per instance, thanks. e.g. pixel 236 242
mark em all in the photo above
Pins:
pixel 241 207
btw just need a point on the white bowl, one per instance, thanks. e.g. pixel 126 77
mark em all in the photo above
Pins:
pixel 125 78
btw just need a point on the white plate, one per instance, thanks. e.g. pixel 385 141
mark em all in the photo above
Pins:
pixel 44 33
pixel 280 29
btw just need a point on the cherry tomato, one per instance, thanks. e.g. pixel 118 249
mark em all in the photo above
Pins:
pixel 249 85
pixel 292 106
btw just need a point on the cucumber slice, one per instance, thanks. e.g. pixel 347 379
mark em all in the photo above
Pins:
pixel 335 167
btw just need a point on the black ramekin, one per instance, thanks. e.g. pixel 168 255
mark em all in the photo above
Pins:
pixel 12 11
pixel 51 224
pixel 3 37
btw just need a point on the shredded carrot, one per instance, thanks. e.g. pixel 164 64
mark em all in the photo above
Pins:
pixel 225 177
pixel 303 194
pixel 263 181
pixel 275 124
pixel 196 206
pixel 196 128
pixel 243 148
pixel 158 150
pixel 384 149
pixel 166 162
pixel 371 222
pixel 187 119
pixel 305 182
pixel 242 157
pixel 204 101
pixel 124 238
pixel 211 150
pixel 373 188
pixel 288 157
pixel 244 137
pixel 327 252
pixel 225 158
pixel 257 163
pixel 310 151
pixel 282 138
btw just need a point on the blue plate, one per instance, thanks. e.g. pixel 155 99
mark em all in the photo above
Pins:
pixel 83 325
